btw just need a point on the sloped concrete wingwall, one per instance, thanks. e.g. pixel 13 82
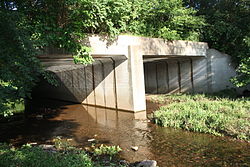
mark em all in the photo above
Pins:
pixel 220 70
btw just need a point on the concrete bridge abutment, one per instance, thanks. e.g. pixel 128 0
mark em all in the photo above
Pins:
pixel 130 67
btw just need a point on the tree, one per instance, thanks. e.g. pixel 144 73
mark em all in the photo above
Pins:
pixel 19 69
pixel 167 19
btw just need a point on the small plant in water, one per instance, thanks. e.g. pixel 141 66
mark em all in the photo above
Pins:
pixel 62 144
pixel 107 150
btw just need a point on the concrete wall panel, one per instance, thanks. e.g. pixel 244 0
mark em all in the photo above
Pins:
pixel 67 89
pixel 145 68
pixel 99 84
pixel 152 78
pixel 162 77
pixel 173 74
pixel 185 71
pixel 90 84
pixel 124 87
pixel 200 79
pixel 79 84
pixel 109 84
pixel 136 74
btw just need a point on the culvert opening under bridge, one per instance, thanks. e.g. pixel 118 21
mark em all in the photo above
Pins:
pixel 174 74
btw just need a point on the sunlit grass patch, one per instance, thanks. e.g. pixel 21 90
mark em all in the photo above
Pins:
pixel 207 114
pixel 61 154
pixel 35 156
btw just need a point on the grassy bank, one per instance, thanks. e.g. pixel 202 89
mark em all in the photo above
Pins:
pixel 207 114
pixel 36 156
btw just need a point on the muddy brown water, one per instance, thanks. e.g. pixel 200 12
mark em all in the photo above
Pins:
pixel 169 147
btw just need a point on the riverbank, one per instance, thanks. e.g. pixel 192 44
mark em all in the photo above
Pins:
pixel 60 154
pixel 213 114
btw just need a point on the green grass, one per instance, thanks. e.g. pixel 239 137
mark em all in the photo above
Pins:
pixel 36 157
pixel 65 155
pixel 205 113
pixel 107 150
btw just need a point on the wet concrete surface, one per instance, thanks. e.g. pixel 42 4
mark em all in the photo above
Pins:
pixel 169 147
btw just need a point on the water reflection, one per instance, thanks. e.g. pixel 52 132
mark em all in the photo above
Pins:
pixel 167 146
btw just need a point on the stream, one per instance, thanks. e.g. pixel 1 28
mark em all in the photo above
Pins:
pixel 169 147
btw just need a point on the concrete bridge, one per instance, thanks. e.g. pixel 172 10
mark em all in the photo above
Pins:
pixel 131 66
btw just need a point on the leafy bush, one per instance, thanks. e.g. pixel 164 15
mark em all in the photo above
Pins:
pixel 243 77
pixel 19 68
pixel 167 19
pixel 218 116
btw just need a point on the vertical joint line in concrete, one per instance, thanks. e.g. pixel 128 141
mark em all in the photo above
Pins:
pixel 93 78
pixel 179 75
pixel 166 63
pixel 156 71
pixel 116 103
pixel 103 78
pixel 209 74
pixel 86 88
pixel 192 74
pixel 146 77
pixel 72 79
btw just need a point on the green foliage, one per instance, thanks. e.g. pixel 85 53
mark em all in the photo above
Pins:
pixel 51 24
pixel 64 155
pixel 35 156
pixel 107 150
pixel 65 23
pixel 243 77
pixel 13 108
pixel 62 144
pixel 167 19
pixel 100 16
pixel 19 69
pixel 199 113
pixel 83 57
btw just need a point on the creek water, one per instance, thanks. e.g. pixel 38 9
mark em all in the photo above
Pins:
pixel 169 147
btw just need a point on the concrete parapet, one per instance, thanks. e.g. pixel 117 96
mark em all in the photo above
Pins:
pixel 147 46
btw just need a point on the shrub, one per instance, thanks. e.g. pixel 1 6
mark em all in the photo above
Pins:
pixel 107 150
